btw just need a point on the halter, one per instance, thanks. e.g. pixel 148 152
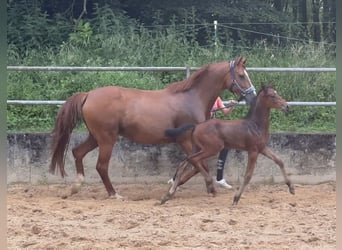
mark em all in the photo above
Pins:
pixel 234 82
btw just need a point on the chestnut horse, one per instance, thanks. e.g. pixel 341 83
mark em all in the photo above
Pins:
pixel 250 134
pixel 142 115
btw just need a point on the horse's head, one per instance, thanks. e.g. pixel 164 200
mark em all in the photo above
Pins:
pixel 273 99
pixel 240 83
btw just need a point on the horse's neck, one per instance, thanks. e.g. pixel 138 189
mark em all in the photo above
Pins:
pixel 209 88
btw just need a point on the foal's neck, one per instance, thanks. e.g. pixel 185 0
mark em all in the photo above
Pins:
pixel 261 116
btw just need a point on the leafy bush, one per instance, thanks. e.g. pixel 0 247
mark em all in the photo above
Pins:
pixel 113 39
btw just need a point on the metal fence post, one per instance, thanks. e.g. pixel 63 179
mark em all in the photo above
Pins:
pixel 188 72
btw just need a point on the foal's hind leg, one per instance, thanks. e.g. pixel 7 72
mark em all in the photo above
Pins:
pixel 79 152
pixel 190 149
pixel 187 175
pixel 174 186
pixel 271 155
pixel 199 160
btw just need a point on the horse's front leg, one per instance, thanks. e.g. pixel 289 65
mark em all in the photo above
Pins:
pixel 252 157
pixel 271 155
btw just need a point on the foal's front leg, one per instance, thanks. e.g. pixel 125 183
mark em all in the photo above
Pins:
pixel 271 155
pixel 252 158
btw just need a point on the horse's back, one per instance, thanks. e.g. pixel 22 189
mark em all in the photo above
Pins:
pixel 140 115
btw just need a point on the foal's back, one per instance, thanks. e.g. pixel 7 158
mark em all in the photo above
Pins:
pixel 240 134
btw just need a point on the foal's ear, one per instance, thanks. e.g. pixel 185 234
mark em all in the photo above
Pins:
pixel 270 84
pixel 263 87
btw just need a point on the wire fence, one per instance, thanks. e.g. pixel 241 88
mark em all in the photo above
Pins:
pixel 186 69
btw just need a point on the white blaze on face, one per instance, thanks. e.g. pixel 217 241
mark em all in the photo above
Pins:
pixel 247 76
pixel 250 82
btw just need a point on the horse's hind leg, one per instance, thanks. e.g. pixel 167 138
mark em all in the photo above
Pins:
pixel 79 152
pixel 105 152
pixel 271 155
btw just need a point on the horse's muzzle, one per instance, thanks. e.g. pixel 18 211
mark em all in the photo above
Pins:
pixel 249 97
pixel 285 108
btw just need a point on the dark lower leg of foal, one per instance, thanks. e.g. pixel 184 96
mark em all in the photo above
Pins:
pixel 252 157
pixel 271 155
pixel 172 190
pixel 185 176
pixel 199 160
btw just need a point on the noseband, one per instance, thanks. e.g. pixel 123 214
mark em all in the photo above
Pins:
pixel 243 92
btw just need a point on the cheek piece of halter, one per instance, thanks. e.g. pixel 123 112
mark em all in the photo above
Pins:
pixel 243 92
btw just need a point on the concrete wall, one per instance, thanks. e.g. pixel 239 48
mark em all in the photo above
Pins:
pixel 309 158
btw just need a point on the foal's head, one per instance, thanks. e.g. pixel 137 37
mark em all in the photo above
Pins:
pixel 271 99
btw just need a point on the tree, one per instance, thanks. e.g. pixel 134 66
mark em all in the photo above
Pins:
pixel 316 27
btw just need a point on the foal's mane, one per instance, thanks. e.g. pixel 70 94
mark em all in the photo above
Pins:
pixel 188 83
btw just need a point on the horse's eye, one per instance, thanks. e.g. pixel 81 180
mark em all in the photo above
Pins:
pixel 242 76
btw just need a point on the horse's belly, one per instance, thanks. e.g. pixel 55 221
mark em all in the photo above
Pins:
pixel 145 136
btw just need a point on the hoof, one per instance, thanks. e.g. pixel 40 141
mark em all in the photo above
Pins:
pixel 236 200
pixel 117 197
pixel 291 188
pixel 75 188
pixel 211 190
pixel 165 198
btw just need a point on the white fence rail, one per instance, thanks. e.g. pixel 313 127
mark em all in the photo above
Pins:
pixel 186 69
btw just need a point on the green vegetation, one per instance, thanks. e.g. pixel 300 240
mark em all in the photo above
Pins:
pixel 111 38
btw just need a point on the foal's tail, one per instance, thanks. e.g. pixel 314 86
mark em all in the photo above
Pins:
pixel 68 117
pixel 174 132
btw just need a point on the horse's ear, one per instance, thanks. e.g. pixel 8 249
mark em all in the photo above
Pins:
pixel 241 61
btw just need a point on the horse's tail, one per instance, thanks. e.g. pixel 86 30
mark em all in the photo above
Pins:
pixel 68 117
pixel 174 132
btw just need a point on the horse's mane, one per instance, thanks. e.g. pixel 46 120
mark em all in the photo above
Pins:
pixel 253 103
pixel 188 83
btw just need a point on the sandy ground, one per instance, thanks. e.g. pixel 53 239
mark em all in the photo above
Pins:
pixel 267 217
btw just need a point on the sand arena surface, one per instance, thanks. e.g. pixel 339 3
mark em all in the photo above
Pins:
pixel 267 217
